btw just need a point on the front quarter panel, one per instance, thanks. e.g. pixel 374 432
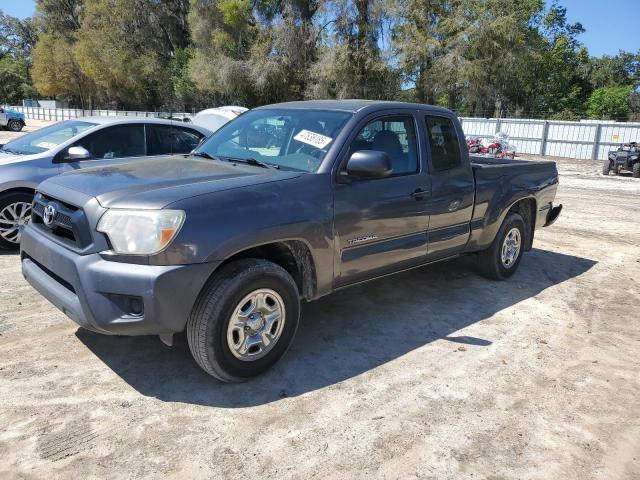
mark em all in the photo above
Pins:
pixel 26 173
pixel 221 224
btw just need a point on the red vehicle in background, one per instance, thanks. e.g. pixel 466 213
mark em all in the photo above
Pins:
pixel 499 147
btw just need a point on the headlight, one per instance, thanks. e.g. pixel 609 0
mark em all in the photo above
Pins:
pixel 140 232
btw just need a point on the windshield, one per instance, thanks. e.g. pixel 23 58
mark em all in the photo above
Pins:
pixel 290 139
pixel 47 138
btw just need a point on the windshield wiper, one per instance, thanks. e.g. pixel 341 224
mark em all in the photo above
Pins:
pixel 203 155
pixel 248 161
pixel 253 161
pixel 10 151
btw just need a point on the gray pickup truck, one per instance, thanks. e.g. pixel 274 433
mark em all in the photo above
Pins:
pixel 287 202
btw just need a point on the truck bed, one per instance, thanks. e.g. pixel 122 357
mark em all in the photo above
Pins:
pixel 481 161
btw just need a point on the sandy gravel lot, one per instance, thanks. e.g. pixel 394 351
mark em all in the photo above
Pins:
pixel 6 136
pixel 435 373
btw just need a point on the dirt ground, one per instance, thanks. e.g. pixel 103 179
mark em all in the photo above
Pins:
pixel 435 373
pixel 32 125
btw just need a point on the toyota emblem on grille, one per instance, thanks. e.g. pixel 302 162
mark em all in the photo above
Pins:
pixel 49 215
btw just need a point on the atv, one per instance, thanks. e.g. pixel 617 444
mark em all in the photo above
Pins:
pixel 626 157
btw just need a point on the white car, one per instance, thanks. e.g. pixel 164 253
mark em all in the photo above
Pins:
pixel 214 118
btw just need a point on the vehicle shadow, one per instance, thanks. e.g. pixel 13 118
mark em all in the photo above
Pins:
pixel 344 334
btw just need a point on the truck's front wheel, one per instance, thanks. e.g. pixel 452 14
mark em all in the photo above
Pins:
pixel 244 320
pixel 636 170
pixel 501 260
pixel 606 167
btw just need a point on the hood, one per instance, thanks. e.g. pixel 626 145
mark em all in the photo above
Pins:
pixel 6 158
pixel 156 182
pixel 13 113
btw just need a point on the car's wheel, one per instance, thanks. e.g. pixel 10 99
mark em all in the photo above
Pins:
pixel 15 212
pixel 636 170
pixel 15 125
pixel 501 260
pixel 606 167
pixel 244 320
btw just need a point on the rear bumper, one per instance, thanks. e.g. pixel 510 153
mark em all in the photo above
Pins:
pixel 112 297
pixel 552 215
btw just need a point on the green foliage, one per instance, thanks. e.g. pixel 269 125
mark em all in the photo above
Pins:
pixel 610 103
pixel 478 57
pixel 14 81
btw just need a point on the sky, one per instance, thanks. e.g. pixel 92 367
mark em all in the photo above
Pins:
pixel 611 25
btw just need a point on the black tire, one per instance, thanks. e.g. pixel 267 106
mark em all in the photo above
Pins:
pixel 209 320
pixel 11 198
pixel 606 168
pixel 636 170
pixel 15 125
pixel 490 261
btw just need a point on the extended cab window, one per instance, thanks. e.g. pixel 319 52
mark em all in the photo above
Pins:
pixel 164 139
pixel 443 143
pixel 394 135
pixel 115 142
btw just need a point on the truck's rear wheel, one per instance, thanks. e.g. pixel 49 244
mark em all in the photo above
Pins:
pixel 606 167
pixel 15 125
pixel 244 320
pixel 636 170
pixel 501 260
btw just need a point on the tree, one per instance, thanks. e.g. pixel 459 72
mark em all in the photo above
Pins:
pixel 419 40
pixel 610 103
pixel 223 33
pixel 614 71
pixel 126 48
pixel 352 64
pixel 60 17
pixel 559 88
pixel 57 74
pixel 285 49
pixel 17 38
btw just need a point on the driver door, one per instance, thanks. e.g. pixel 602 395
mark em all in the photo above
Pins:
pixel 381 224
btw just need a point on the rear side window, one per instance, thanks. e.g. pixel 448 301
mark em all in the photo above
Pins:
pixel 443 143
pixel 115 142
pixel 167 139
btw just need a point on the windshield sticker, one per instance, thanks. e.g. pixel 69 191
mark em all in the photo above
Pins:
pixel 314 139
pixel 47 145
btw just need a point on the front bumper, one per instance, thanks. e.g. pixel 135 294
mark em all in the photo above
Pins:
pixel 112 297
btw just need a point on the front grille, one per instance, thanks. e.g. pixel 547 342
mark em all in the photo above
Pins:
pixel 60 218
pixel 68 224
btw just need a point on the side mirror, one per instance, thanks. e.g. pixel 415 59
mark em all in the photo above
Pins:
pixel 369 164
pixel 77 153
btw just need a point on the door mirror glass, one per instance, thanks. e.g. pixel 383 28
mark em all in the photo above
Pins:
pixel 77 153
pixel 369 164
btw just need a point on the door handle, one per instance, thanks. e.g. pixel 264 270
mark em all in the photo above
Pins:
pixel 453 206
pixel 418 193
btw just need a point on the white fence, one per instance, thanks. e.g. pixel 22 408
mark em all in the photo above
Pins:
pixel 584 140
pixel 57 114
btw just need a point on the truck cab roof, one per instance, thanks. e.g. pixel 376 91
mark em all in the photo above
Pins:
pixel 353 105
